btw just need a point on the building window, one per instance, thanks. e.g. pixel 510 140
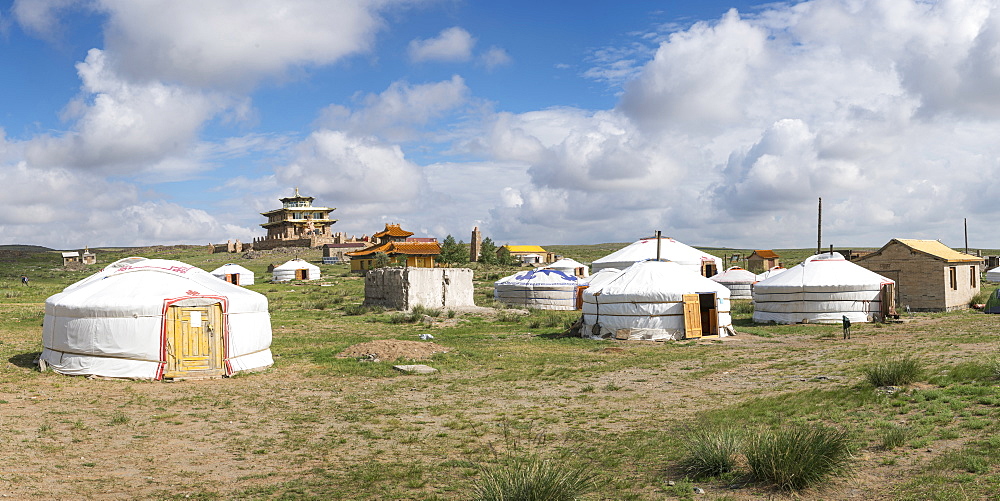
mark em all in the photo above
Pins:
pixel 972 276
pixel 953 276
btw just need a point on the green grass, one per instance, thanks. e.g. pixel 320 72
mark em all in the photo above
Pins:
pixel 532 478
pixel 898 371
pixel 710 452
pixel 317 426
pixel 799 456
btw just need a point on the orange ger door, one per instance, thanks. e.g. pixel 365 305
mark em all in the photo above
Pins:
pixel 692 316
pixel 194 341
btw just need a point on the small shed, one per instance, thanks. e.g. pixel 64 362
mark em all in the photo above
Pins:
pixel 70 257
pixel 763 259
pixel 929 275
pixel 87 257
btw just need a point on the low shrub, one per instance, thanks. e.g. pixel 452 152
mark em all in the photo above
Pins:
pixel 797 456
pixel 509 316
pixel 709 453
pixel 356 309
pixel 893 372
pixel 532 478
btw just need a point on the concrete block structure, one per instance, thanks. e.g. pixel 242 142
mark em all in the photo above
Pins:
pixel 404 288
pixel 929 275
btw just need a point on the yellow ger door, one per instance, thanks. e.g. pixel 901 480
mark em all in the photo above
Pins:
pixel 194 341
pixel 692 316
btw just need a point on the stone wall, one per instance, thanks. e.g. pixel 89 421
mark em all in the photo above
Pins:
pixel 404 288
pixel 922 282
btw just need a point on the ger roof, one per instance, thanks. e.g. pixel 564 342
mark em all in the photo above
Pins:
pixel 932 248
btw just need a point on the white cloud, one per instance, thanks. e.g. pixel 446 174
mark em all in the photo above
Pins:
pixel 235 43
pixel 123 127
pixel 399 112
pixel 351 169
pixel 40 17
pixel 66 209
pixel 452 44
pixel 494 58
pixel 886 109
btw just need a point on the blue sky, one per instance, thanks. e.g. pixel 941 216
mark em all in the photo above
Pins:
pixel 719 123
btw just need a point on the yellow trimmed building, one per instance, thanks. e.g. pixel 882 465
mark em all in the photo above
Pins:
pixel 929 275
pixel 397 243
pixel 529 254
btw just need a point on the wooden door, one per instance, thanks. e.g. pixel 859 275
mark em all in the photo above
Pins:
pixel 194 341
pixel 233 278
pixel 302 274
pixel 888 301
pixel 692 316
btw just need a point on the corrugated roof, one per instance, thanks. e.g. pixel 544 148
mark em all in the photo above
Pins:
pixel 938 249
pixel 766 254
pixel 393 230
pixel 524 248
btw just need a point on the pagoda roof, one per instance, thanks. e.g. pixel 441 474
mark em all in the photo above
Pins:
pixel 393 230
pixel 408 248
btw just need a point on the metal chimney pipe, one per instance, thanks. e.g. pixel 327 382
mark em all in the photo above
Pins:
pixel 657 245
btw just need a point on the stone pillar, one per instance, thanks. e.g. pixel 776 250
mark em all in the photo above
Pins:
pixel 475 245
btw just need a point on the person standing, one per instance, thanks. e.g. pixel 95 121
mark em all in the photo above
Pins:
pixel 24 279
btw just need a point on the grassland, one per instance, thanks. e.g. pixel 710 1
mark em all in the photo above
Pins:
pixel 319 426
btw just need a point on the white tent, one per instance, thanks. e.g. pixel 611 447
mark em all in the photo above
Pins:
pixel 570 267
pixel 770 273
pixel 234 274
pixel 822 289
pixel 654 300
pixel 540 288
pixel 670 250
pixel 993 275
pixel 296 269
pixel 738 281
pixel 153 319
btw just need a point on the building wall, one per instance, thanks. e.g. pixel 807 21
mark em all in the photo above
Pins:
pixel 403 288
pixel 922 282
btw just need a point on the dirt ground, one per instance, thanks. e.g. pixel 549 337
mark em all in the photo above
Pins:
pixel 74 438
pixel 393 349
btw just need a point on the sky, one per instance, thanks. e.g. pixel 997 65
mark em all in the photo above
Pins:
pixel 719 123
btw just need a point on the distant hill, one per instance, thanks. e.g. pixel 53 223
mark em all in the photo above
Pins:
pixel 25 248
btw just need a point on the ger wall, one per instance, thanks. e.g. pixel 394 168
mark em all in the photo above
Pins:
pixel 404 288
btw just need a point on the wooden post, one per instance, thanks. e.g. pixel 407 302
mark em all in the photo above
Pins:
pixel 657 245
pixel 965 223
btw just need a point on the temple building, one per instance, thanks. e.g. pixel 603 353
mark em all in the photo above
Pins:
pixel 400 247
pixel 298 223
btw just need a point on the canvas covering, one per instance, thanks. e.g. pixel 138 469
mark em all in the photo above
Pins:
pixel 738 281
pixel 245 276
pixel 539 288
pixel 286 272
pixel 993 275
pixel 645 301
pixel 111 324
pixel 645 249
pixel 822 289
pixel 569 266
